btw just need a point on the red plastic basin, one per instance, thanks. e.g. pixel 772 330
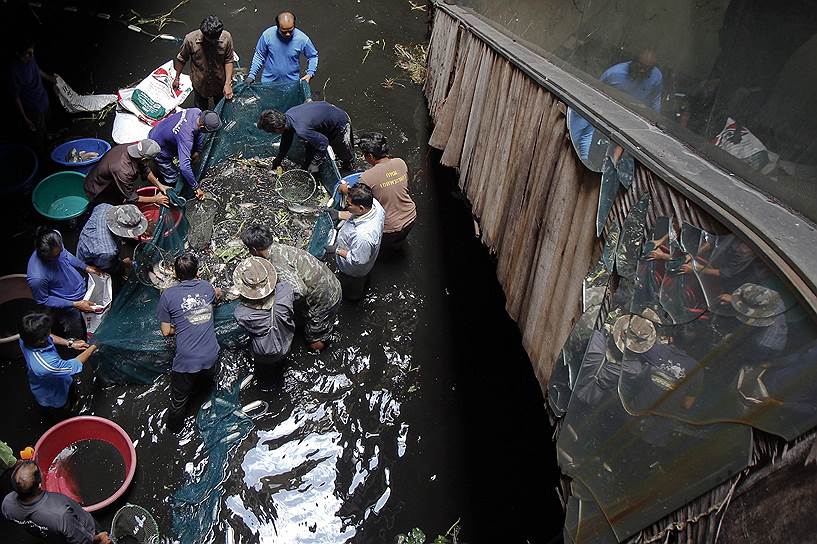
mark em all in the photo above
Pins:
pixel 151 211
pixel 63 434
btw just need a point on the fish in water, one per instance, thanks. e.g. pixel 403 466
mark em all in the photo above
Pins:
pixel 80 156
pixel 246 382
pixel 247 205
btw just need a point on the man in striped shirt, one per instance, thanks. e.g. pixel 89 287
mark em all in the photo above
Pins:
pixel 49 376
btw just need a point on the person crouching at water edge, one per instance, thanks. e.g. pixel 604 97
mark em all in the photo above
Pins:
pixel 358 241
pixel 50 377
pixel 186 312
pixel 180 136
pixel 265 310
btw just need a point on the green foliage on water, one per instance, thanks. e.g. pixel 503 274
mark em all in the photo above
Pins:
pixel 417 536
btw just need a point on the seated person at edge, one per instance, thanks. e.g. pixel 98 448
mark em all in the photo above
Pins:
pixel 103 239
pixel 55 277
pixel 113 179
pixel 317 290
pixel 388 179
pixel 265 310
pixel 318 125
pixel 46 515
pixel 179 136
pixel 50 377
pixel 358 241
pixel 186 311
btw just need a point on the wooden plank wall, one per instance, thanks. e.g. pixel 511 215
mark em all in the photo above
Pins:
pixel 535 201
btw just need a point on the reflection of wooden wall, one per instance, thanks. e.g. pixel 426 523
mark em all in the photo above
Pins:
pixel 535 201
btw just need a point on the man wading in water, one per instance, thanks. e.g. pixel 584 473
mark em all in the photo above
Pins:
pixel 210 53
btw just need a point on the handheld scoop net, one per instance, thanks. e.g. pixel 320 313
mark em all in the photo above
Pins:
pixel 296 186
pixel 134 525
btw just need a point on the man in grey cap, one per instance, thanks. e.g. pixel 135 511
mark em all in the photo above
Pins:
pixel 113 179
pixel 102 240
pixel 265 309
pixel 180 136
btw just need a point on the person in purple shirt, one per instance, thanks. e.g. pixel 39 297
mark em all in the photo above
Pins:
pixel 56 279
pixel 278 53
pixel 318 125
pixel 186 312
pixel 179 135
pixel 25 87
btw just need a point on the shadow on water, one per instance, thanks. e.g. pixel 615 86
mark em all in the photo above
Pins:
pixel 424 410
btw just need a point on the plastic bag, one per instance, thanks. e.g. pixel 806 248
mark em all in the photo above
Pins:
pixel 100 294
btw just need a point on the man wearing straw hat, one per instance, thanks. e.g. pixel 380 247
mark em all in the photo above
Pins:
pixel 265 309
pixel 317 290
pixel 103 236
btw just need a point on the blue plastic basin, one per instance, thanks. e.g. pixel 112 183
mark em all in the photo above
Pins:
pixel 60 196
pixel 61 152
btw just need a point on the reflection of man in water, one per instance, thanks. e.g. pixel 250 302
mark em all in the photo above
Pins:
pixel 640 78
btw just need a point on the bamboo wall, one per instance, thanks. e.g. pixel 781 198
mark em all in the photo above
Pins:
pixel 534 199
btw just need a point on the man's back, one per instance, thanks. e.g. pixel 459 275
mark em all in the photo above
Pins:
pixel 310 278
pixel 53 518
pixel 188 306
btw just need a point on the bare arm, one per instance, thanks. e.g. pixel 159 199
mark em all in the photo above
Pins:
pixel 167 329
pixel 23 115
pixel 85 355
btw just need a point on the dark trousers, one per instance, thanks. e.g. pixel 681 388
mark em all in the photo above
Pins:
pixel 182 385
pixel 68 323
pixel 393 241
pixel 203 102
pixel 353 288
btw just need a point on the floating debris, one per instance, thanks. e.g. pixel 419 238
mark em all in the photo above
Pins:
pixel 158 20
pixel 369 45
pixel 412 59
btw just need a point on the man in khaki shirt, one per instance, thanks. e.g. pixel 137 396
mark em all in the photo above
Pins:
pixel 210 53
pixel 388 179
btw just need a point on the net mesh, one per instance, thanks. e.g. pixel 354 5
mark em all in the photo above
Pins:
pixel 235 169
pixel 133 524
pixel 296 186
pixel 201 214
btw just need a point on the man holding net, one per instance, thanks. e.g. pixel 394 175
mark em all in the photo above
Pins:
pixel 113 179
pixel 278 53
pixel 186 312
pixel 318 125
pixel 317 290
pixel 179 136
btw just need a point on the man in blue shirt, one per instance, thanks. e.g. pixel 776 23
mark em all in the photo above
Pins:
pixel 101 239
pixel 318 125
pixel 179 135
pixel 49 375
pixel 25 88
pixel 186 312
pixel 279 52
pixel 640 79
pixel 56 281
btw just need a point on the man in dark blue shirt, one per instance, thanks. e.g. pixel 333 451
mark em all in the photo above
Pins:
pixel 56 281
pixel 186 312
pixel 318 125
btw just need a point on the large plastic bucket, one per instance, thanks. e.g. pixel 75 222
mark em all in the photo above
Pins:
pixel 20 167
pixel 70 431
pixel 61 196
pixel 61 152
pixel 12 287
pixel 152 211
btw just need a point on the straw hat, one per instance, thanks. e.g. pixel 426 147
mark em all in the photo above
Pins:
pixel 634 333
pixel 756 305
pixel 255 278
pixel 126 221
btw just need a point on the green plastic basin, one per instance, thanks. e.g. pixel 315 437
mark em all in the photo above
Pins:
pixel 60 196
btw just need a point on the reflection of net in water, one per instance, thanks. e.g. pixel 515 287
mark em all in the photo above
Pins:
pixel 296 186
pixel 134 524
pixel 201 215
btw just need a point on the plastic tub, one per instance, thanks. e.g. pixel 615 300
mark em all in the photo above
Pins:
pixel 20 167
pixel 151 211
pixel 83 144
pixel 62 435
pixel 61 196
pixel 12 287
